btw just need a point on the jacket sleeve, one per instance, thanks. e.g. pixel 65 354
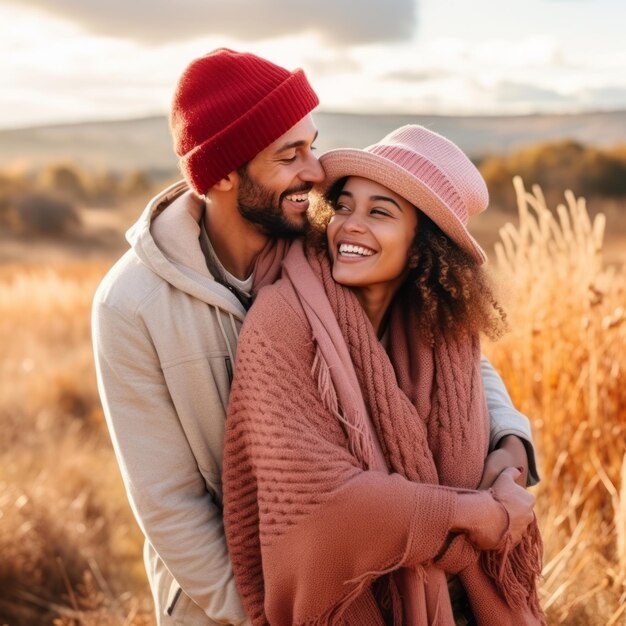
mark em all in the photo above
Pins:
pixel 504 418
pixel 167 493
pixel 307 526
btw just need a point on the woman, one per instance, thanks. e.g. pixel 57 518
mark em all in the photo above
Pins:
pixel 357 426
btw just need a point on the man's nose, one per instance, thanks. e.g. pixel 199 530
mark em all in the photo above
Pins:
pixel 312 172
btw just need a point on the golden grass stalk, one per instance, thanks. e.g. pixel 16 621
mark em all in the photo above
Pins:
pixel 564 362
pixel 620 525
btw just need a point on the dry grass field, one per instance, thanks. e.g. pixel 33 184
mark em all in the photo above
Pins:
pixel 70 549
pixel 564 363
pixel 71 553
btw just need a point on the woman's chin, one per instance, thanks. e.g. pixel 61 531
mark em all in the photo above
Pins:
pixel 347 279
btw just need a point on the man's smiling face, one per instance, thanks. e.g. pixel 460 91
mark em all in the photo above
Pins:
pixel 274 186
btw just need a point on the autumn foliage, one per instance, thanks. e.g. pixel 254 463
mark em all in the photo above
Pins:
pixel 555 166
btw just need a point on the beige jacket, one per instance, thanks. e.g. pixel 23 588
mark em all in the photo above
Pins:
pixel 165 336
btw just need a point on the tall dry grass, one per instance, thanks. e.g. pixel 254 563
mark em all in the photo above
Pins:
pixel 564 363
pixel 70 549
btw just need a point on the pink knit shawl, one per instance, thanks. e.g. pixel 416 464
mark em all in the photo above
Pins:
pixel 417 413
pixel 421 414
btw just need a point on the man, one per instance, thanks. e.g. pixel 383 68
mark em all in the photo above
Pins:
pixel 167 315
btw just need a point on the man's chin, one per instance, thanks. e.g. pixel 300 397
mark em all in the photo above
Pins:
pixel 287 229
pixel 294 225
pixel 276 226
pixel 299 223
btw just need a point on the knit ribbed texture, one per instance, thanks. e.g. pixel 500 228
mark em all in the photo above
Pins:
pixel 227 107
pixel 428 170
pixel 309 529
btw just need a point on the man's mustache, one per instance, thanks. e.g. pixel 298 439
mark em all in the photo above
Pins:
pixel 304 188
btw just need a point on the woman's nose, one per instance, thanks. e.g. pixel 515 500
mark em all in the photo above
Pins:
pixel 354 223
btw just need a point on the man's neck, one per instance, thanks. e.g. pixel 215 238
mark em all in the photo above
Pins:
pixel 236 242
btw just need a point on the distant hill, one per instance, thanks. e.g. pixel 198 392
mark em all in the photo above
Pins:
pixel 145 143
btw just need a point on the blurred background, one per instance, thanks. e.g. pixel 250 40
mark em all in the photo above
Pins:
pixel 534 91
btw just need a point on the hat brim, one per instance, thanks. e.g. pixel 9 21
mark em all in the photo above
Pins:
pixel 353 162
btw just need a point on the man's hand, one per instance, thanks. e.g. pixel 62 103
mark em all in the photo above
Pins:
pixel 510 452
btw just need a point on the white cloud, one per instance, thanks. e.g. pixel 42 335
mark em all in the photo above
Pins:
pixel 603 98
pixel 54 70
pixel 157 22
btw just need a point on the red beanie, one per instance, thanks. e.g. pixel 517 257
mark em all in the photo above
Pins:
pixel 227 107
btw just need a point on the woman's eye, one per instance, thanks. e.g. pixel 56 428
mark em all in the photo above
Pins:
pixel 341 208
pixel 379 212
pixel 289 160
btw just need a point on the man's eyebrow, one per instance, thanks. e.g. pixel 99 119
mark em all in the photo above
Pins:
pixel 297 144
pixel 374 198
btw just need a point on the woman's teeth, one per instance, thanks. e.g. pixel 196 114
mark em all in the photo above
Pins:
pixel 349 249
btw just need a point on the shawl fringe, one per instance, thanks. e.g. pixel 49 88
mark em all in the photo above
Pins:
pixel 391 600
pixel 359 442
pixel 514 570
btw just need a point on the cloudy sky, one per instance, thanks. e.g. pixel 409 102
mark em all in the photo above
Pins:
pixel 76 60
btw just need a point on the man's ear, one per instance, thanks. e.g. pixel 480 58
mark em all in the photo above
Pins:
pixel 227 183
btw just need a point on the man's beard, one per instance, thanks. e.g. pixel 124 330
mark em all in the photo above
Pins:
pixel 258 205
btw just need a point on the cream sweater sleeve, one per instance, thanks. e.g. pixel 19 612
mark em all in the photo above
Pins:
pixel 504 418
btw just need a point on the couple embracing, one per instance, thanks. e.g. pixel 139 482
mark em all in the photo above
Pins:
pixel 345 455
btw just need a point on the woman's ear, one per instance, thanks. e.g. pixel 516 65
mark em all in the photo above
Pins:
pixel 414 255
pixel 414 251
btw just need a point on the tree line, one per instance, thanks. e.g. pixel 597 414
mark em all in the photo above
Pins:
pixel 48 199
pixel 555 166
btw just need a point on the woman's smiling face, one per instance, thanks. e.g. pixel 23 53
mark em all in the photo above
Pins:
pixel 369 236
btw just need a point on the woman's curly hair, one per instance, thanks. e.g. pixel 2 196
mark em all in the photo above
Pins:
pixel 453 292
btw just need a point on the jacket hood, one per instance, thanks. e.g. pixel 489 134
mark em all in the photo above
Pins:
pixel 166 239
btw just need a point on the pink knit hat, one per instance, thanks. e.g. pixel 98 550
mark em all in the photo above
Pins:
pixel 426 169
pixel 227 107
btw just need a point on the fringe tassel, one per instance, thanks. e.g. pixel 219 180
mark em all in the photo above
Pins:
pixel 334 615
pixel 386 590
pixel 359 442
pixel 390 598
pixel 396 600
pixel 515 570
pixel 361 583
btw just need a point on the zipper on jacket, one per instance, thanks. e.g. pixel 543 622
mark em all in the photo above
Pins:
pixel 229 369
pixel 170 608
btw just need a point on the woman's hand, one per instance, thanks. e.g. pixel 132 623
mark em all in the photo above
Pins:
pixel 487 519
pixel 518 502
